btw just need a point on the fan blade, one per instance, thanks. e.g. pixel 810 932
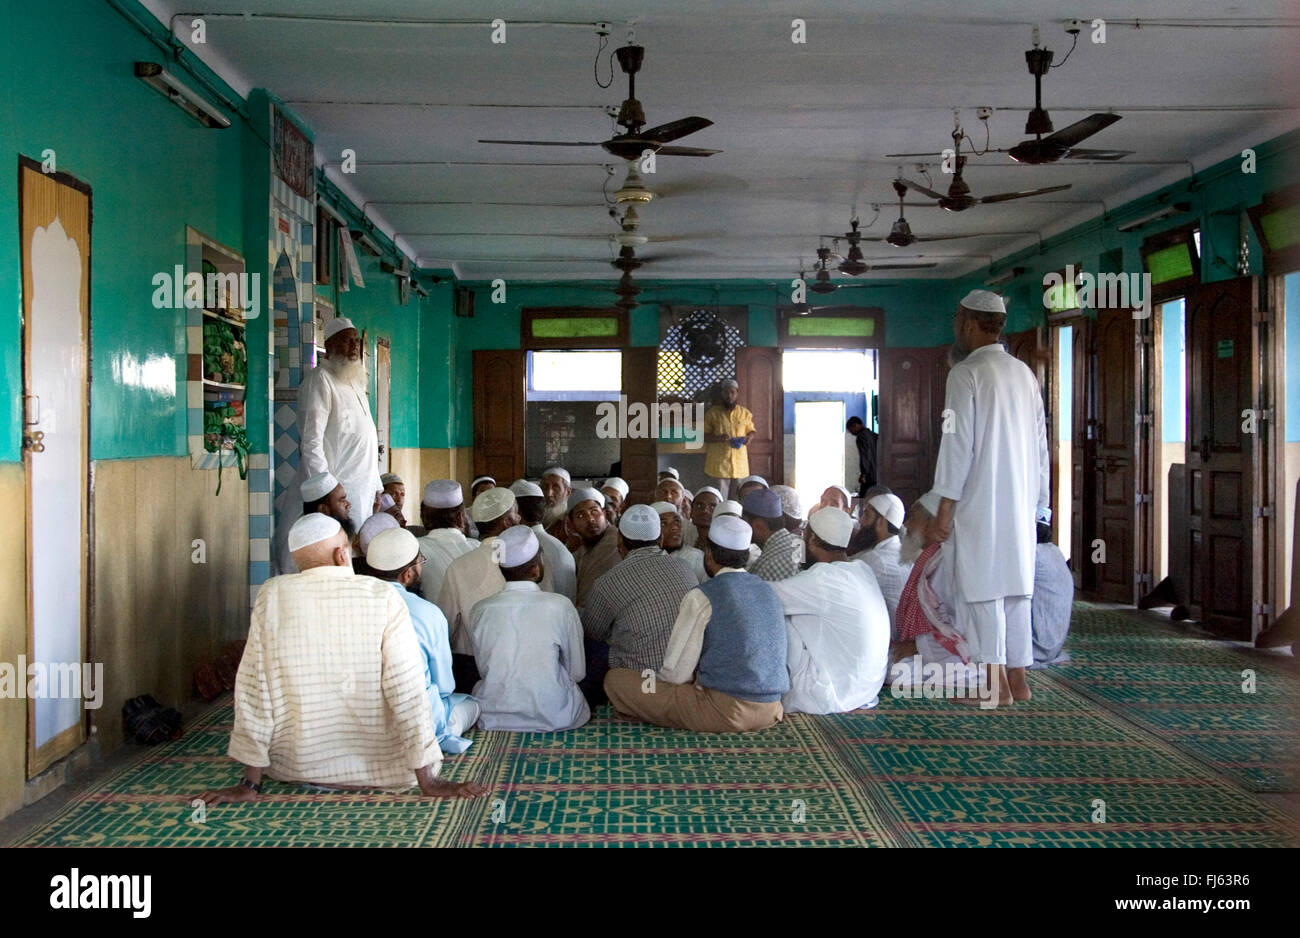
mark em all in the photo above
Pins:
pixel 542 143
pixel 922 189
pixel 903 266
pixel 909 156
pixel 1008 196
pixel 701 182
pixel 952 237
pixel 686 151
pixel 1082 130
pixel 1108 155
pixel 675 130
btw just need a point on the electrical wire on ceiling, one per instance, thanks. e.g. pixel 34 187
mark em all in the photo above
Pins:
pixel 1067 55
pixel 595 66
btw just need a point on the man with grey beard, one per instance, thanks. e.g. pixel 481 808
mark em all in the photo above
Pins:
pixel 336 433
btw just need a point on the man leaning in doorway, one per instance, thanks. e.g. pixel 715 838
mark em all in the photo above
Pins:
pixel 728 428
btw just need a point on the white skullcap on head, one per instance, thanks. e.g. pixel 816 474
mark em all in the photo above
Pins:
pixel 663 508
pixel 848 496
pixel 392 550
pixel 337 325
pixel 670 471
pixel 318 486
pixel 482 479
pixel 984 301
pixel 748 479
pixel 890 507
pixel 640 523
pixel 618 485
pixel 391 478
pixel 731 383
pixel 379 521
pixel 559 471
pixel 443 493
pixel 731 533
pixel 523 488
pixel 386 502
pixel 312 529
pixel 833 526
pixel 791 504
pixel 729 507
pixel 930 502
pixel 1044 516
pixel 578 496
pixel 518 545
pixel 709 490
pixel 491 504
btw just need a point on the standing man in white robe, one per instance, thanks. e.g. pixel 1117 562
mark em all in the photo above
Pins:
pixel 993 474
pixel 336 433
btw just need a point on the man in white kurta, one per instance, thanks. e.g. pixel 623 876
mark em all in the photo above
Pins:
pixel 882 518
pixel 993 474
pixel 442 512
pixel 557 558
pixel 837 627
pixel 336 433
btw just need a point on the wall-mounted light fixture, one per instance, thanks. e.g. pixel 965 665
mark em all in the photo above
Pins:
pixel 1177 208
pixel 1005 277
pixel 180 94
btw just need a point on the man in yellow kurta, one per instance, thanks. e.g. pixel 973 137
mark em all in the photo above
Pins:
pixel 728 428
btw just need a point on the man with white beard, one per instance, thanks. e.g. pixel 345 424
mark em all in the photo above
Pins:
pixel 336 433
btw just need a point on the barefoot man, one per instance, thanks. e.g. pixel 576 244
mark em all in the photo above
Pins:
pixel 992 476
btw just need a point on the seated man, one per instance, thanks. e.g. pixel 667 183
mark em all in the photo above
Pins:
pixel 835 496
pixel 599 548
pixel 882 518
pixel 394 556
pixel 528 646
pixel 782 552
pixel 379 521
pixel 556 484
pixel 631 609
pixel 331 689
pixel 395 489
pixel 838 638
pixel 724 670
pixel 749 484
pixel 557 558
pixel 670 539
pixel 615 491
pixel 792 513
pixel 442 513
pixel 1053 600
pixel 707 498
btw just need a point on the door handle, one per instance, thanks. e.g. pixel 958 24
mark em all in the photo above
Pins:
pixel 35 442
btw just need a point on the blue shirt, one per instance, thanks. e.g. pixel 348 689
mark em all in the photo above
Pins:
pixel 435 646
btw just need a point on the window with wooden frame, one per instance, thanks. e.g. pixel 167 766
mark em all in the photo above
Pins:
pixel 564 327
pixel 1173 260
pixel 1062 302
pixel 1276 221
pixel 842 328
pixel 324 248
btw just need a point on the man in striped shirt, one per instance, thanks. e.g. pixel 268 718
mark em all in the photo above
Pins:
pixel 331 688
pixel 782 553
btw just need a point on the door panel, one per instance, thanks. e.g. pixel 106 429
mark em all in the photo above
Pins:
pixel 1115 462
pixel 640 457
pixel 912 384
pixel 1222 378
pixel 383 390
pixel 1082 486
pixel 759 372
pixel 499 413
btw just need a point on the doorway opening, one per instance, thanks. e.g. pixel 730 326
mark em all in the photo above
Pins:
pixel 1171 365
pixel 1062 441
pixel 563 390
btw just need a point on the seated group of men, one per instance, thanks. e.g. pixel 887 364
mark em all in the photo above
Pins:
pixel 365 680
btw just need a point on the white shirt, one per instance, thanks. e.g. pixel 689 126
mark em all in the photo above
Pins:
pixel 690 535
pixel 693 559
pixel 559 563
pixel 891 576
pixel 995 465
pixel 337 434
pixel 470 577
pixel 331 688
pixel 528 648
pixel 439 548
pixel 838 638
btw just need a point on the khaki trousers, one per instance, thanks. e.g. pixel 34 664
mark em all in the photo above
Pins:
pixel 688 706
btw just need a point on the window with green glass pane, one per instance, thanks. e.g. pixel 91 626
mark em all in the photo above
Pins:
pixel 1171 263
pixel 833 326
pixel 578 327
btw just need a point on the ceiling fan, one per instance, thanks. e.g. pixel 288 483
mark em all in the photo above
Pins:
pixel 958 197
pixel 631 117
pixel 822 283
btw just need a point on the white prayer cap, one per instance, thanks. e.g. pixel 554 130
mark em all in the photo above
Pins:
pixel 640 523
pixel 731 533
pixel 663 508
pixel 833 526
pixel 790 502
pixel 848 496
pixel 671 472
pixel 391 478
pixel 1044 516
pixel 318 486
pixel 392 550
pixel 523 488
pixel 559 471
pixel 519 545
pixel 578 496
pixel 337 325
pixel 930 502
pixel 729 507
pixel 386 502
pixel 731 383
pixel 709 490
pixel 748 479
pixel 473 485
pixel 890 507
pixel 618 485
pixel 312 529
pixel 443 493
pixel 984 301
pixel 491 504
pixel 379 521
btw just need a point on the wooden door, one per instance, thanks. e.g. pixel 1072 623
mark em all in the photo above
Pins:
pixel 499 413
pixel 1116 454
pixel 383 390
pixel 1030 347
pixel 912 382
pixel 1082 487
pixel 640 457
pixel 1222 382
pixel 759 372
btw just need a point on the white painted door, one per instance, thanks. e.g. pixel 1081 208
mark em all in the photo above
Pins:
pixel 383 377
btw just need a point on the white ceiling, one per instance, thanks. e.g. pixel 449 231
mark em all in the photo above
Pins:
pixel 804 129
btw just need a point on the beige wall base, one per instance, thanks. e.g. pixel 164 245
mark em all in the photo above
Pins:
pixel 13 632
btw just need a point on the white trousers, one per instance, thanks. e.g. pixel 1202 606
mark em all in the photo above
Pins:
pixel 463 716
pixel 997 631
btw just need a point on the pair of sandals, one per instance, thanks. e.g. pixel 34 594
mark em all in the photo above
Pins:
pixel 149 722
